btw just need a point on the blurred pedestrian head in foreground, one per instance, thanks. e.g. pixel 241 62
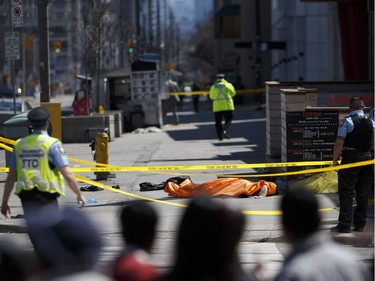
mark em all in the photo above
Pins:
pixel 138 223
pixel 314 255
pixel 207 242
pixel 66 242
pixel 12 262
pixel 300 213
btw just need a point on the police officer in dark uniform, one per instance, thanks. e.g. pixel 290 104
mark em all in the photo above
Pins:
pixel 354 142
pixel 38 168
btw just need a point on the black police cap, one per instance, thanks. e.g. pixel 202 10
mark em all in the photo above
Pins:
pixel 220 75
pixel 38 116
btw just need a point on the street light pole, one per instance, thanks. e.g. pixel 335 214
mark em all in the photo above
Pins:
pixel 12 67
pixel 44 71
pixel 258 51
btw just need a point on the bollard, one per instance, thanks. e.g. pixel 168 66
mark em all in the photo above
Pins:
pixel 101 154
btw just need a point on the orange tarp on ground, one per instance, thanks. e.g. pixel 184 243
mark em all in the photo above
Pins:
pixel 222 186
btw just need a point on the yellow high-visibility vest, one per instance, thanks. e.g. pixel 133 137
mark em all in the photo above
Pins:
pixel 33 169
pixel 222 93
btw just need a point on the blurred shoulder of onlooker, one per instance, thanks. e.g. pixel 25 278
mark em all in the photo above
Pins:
pixel 314 255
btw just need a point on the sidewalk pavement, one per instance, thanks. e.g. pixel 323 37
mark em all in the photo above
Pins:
pixel 194 142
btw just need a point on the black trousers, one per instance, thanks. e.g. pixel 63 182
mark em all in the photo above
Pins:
pixel 34 200
pixel 228 117
pixel 356 181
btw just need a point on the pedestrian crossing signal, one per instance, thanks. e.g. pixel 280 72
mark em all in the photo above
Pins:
pixel 130 46
pixel 57 47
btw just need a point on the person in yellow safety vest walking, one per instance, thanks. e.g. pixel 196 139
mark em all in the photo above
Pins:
pixel 38 165
pixel 221 94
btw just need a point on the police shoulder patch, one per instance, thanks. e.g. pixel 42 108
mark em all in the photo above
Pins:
pixel 61 149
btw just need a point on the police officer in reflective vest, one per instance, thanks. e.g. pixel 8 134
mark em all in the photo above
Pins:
pixel 221 94
pixel 354 142
pixel 37 168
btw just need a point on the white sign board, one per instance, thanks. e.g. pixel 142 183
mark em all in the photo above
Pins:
pixel 12 45
pixel 17 13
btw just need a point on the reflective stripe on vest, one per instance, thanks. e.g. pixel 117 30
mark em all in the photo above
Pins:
pixel 33 168
pixel 221 95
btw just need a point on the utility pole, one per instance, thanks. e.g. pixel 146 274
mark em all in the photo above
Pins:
pixel 158 29
pixel 258 51
pixel 150 23
pixel 167 41
pixel 44 71
pixel 12 67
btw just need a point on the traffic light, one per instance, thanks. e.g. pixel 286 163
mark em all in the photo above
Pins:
pixel 130 50
pixel 130 46
pixel 57 47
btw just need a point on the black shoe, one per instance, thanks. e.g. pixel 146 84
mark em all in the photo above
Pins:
pixel 358 229
pixel 226 135
pixel 341 229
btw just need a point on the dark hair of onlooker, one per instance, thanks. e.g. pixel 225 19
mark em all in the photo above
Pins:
pixel 300 212
pixel 207 242
pixel 138 222
pixel 12 262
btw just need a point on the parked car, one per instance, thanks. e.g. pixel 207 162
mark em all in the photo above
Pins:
pixel 7 105
pixel 6 92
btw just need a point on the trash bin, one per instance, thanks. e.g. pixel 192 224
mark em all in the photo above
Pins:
pixel 128 127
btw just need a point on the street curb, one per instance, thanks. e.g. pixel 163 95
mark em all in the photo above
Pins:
pixel 12 228
pixel 340 238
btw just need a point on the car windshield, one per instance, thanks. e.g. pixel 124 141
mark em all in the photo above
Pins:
pixel 7 105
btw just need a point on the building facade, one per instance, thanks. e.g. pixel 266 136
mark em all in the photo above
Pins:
pixel 294 40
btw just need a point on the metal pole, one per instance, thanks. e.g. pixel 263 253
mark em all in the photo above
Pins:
pixel 258 52
pixel 99 49
pixel 12 70
pixel 44 71
pixel 87 81
pixel 24 62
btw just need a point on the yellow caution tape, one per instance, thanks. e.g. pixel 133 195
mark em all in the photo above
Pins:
pixel 8 141
pixel 111 168
pixel 155 169
pixel 309 171
pixel 162 169
pixel 7 148
pixel 242 91
pixel 98 184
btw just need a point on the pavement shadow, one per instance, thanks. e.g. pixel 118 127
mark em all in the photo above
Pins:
pixel 248 133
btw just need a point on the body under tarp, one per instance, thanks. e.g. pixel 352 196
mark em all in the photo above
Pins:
pixel 221 186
